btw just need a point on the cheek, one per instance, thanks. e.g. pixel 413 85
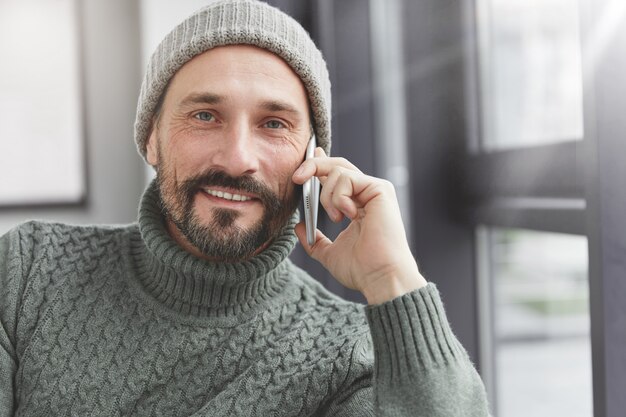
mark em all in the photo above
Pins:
pixel 186 153
pixel 182 142
pixel 283 172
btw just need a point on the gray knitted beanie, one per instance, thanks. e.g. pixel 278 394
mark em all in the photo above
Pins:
pixel 233 22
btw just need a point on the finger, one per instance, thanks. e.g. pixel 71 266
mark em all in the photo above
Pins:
pixel 326 164
pixel 320 166
pixel 346 183
pixel 326 196
pixel 342 197
pixel 319 248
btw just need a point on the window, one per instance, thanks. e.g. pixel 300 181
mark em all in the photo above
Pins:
pixel 530 72
pixel 540 308
pixel 41 122
pixel 528 195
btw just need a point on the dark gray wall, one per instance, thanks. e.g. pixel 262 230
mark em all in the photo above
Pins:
pixel 437 129
pixel 341 31
pixel 433 46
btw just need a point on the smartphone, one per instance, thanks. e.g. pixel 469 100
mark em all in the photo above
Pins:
pixel 310 195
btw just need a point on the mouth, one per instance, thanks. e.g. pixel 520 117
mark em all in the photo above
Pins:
pixel 228 196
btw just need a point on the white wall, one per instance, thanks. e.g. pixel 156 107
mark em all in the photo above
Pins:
pixel 159 17
pixel 118 38
pixel 112 75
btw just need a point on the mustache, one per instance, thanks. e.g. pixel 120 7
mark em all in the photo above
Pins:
pixel 245 183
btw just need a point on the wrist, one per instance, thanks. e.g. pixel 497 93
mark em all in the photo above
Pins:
pixel 393 284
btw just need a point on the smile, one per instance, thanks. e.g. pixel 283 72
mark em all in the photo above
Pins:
pixel 227 196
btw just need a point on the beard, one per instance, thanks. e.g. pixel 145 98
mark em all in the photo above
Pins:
pixel 221 238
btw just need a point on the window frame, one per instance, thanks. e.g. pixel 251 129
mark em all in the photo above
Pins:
pixel 582 184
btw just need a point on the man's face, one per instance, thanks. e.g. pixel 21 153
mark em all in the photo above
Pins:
pixel 233 128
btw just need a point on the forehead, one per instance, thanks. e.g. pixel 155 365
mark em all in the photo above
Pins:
pixel 231 67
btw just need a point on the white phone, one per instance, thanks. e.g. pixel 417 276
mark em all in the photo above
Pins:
pixel 310 194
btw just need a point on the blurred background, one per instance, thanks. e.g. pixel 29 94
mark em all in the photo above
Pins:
pixel 500 122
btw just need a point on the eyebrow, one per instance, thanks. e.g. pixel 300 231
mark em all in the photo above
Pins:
pixel 201 98
pixel 210 98
pixel 279 106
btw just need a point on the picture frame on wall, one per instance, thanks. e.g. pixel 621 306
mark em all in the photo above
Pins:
pixel 42 141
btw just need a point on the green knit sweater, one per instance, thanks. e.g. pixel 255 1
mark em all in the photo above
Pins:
pixel 113 321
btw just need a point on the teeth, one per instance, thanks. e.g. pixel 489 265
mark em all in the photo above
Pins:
pixel 227 196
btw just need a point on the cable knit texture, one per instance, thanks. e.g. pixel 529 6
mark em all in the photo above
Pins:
pixel 113 321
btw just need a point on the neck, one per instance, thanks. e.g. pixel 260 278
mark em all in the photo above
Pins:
pixel 176 277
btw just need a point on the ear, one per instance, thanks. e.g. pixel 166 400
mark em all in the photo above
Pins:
pixel 151 148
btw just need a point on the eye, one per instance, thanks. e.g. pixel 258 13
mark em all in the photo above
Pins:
pixel 205 116
pixel 274 124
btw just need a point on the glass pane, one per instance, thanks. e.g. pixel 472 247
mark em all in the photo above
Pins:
pixel 541 332
pixel 41 121
pixel 531 72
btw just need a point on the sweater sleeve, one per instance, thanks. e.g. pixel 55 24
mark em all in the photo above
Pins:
pixel 10 288
pixel 420 368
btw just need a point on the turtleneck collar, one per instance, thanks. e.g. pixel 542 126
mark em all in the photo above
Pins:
pixel 194 286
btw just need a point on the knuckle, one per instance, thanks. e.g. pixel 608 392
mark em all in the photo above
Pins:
pixel 387 185
pixel 345 179
pixel 338 168
pixel 335 173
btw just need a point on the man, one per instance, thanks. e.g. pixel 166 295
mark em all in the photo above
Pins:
pixel 196 310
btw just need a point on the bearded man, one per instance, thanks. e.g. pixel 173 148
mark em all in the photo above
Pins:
pixel 196 308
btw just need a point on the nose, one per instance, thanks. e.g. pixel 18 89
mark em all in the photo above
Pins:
pixel 236 153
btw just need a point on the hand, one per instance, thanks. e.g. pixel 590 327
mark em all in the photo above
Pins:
pixel 372 254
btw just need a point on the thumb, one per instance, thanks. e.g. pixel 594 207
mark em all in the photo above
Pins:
pixel 319 250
